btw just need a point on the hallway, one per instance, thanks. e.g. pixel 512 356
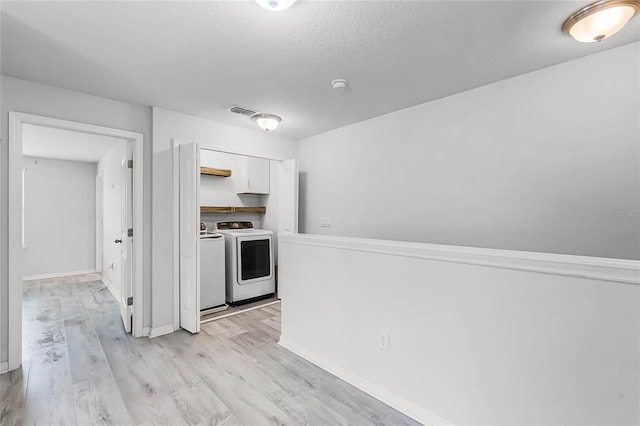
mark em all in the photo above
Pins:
pixel 81 368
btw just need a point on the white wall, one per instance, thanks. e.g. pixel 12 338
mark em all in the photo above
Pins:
pixel 548 161
pixel 60 217
pixel 209 134
pixel 34 98
pixel 110 167
pixel 476 336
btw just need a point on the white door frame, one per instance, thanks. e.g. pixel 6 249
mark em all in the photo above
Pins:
pixel 99 221
pixel 175 145
pixel 16 122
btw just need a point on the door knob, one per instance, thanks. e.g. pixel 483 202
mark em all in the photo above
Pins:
pixel 118 241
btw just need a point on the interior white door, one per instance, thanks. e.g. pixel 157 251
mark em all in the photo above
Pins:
pixel 126 304
pixel 189 188
pixel 288 196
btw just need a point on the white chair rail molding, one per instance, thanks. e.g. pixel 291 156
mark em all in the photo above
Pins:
pixel 461 335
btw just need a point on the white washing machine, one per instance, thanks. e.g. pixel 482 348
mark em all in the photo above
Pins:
pixel 212 272
pixel 249 261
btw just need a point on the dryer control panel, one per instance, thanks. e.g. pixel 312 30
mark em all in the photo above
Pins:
pixel 234 225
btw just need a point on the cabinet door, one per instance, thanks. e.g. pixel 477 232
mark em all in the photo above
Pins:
pixel 189 202
pixel 253 176
pixel 259 176
pixel 288 196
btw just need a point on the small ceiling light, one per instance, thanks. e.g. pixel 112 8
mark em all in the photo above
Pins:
pixel 601 19
pixel 275 5
pixel 339 84
pixel 266 121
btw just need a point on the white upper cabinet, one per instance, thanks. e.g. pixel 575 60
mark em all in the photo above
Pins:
pixel 252 176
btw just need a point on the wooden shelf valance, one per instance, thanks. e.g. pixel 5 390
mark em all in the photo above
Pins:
pixel 232 209
pixel 215 172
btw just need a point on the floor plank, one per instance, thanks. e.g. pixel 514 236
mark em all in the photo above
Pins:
pixel 147 401
pixel 98 401
pixel 198 405
pixel 12 396
pixel 49 399
pixel 85 351
pixel 80 367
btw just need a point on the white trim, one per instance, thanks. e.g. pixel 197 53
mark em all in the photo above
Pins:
pixel 16 121
pixel 15 250
pixel 161 331
pixel 4 367
pixel 419 414
pixel 145 331
pixel 596 268
pixel 115 293
pixel 138 235
pixel 109 284
pixel 59 274
pixel 23 237
pixel 228 150
pixel 175 146
pixel 240 311
pixel 99 220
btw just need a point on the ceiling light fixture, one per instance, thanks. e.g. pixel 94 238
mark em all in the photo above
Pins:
pixel 266 121
pixel 276 5
pixel 601 19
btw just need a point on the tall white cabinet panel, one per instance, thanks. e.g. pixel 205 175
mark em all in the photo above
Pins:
pixel 288 196
pixel 252 176
pixel 189 201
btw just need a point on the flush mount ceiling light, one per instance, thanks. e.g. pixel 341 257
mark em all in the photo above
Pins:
pixel 275 5
pixel 266 121
pixel 601 19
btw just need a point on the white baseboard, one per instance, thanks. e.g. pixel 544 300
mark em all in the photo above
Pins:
pixel 4 367
pixel 408 408
pixel 58 274
pixel 161 331
pixel 146 331
pixel 107 282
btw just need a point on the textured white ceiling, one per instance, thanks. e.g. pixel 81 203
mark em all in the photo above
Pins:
pixel 199 57
pixel 48 142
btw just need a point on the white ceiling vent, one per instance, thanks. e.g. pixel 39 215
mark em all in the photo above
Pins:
pixel 240 110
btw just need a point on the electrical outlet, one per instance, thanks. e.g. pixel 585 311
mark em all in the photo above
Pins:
pixel 326 228
pixel 383 340
pixel 325 222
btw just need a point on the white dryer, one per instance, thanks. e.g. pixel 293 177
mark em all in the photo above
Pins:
pixel 249 261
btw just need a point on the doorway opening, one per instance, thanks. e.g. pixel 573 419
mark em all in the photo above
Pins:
pixel 81 169
pixel 262 192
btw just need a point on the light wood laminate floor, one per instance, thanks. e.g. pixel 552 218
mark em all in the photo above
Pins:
pixel 80 367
